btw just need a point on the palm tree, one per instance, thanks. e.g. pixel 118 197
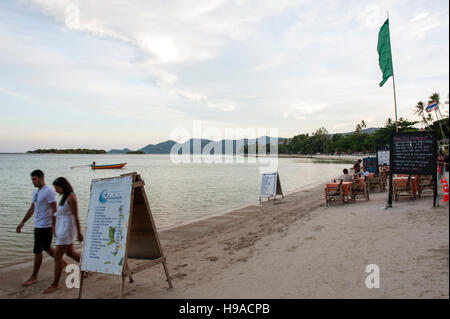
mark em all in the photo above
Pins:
pixel 358 128
pixel 435 97
pixel 446 102
pixel 419 110
pixel 389 122
pixel 363 124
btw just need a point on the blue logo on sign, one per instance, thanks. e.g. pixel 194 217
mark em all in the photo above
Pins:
pixel 105 196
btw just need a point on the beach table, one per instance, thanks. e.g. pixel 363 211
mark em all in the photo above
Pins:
pixel 335 191
pixel 405 185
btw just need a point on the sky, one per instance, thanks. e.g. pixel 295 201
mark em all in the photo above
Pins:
pixel 112 74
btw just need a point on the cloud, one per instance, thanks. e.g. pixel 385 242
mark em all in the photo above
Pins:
pixel 167 34
pixel 420 16
pixel 295 65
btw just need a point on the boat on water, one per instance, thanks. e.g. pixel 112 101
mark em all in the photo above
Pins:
pixel 109 166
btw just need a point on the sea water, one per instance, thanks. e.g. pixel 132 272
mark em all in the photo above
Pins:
pixel 178 193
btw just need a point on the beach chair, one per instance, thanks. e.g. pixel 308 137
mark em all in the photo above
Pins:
pixel 360 187
pixel 334 193
pixel 425 182
pixel 403 188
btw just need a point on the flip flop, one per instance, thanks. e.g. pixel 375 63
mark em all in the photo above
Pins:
pixel 29 282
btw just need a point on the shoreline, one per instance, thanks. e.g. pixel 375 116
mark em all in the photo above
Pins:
pixel 239 207
pixel 327 157
pixel 291 248
pixel 193 221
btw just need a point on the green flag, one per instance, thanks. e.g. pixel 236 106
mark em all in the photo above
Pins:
pixel 384 52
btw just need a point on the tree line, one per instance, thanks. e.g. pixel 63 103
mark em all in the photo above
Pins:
pixel 68 151
pixel 324 143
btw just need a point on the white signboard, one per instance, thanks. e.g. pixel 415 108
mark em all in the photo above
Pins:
pixel 269 184
pixel 107 225
pixel 383 158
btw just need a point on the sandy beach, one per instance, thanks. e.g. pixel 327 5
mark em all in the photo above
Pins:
pixel 291 248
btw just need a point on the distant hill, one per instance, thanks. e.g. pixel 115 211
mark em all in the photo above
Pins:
pixel 369 130
pixel 124 151
pixel 160 148
pixel 165 147
pixel 224 146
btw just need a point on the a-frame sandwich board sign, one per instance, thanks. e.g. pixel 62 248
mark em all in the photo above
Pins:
pixel 270 186
pixel 120 227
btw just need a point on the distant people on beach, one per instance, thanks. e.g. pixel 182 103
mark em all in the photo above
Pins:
pixel 43 206
pixel 357 166
pixel 66 224
pixel 346 177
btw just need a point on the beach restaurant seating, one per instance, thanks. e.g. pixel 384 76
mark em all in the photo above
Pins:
pixel 425 182
pixel 404 185
pixel 334 192
pixel 360 187
pixel 377 183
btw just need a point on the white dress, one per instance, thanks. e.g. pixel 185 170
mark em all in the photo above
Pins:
pixel 65 224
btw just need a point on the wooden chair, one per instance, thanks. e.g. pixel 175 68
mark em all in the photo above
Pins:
pixel 360 187
pixel 425 181
pixel 334 194
pixel 403 188
pixel 377 183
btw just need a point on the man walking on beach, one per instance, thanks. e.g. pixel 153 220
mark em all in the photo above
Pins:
pixel 43 207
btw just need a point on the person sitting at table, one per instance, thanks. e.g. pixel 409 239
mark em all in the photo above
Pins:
pixel 364 172
pixel 346 177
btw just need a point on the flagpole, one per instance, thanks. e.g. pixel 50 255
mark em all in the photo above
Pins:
pixel 443 120
pixel 393 83
pixel 439 120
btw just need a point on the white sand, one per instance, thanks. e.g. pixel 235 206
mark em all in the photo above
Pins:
pixel 296 248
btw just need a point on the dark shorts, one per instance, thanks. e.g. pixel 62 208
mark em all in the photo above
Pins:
pixel 42 239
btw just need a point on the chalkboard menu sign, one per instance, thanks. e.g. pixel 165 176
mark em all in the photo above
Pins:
pixel 413 153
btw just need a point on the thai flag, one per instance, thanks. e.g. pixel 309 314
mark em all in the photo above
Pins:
pixel 431 107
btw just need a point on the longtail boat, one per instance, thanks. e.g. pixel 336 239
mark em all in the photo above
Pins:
pixel 110 166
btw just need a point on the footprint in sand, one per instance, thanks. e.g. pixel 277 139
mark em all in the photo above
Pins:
pixel 212 259
pixel 292 248
pixel 180 266
pixel 318 228
pixel 242 260
pixel 180 275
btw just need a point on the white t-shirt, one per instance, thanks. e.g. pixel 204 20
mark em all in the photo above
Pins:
pixel 42 211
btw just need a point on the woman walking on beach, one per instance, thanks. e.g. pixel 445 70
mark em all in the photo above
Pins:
pixel 67 222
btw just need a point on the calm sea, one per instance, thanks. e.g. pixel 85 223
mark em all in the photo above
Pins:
pixel 178 193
